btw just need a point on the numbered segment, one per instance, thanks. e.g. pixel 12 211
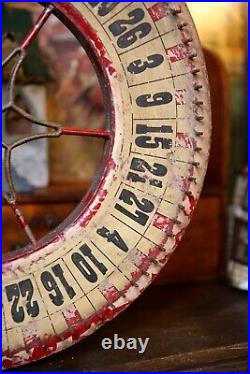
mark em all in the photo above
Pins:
pixel 58 286
pixel 141 64
pixel 111 236
pixel 147 173
pixel 130 28
pixel 154 100
pixel 105 11
pixel 154 138
pixel 22 302
pixel 133 209
pixel 89 265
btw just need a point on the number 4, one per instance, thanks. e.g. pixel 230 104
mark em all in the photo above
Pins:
pixel 113 237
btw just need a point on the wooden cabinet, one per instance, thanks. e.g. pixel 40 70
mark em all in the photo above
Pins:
pixel 41 217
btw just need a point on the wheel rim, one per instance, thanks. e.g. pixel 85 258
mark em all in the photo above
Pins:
pixel 151 253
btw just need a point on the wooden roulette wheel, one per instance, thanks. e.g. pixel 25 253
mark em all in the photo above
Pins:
pixel 158 122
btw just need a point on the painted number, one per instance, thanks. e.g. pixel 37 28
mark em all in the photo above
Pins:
pixel 21 295
pixel 113 237
pixel 126 36
pixel 149 100
pixel 139 66
pixel 85 260
pixel 103 9
pixel 51 284
pixel 140 167
pixel 144 206
pixel 147 140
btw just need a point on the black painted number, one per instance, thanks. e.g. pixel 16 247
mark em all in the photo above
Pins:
pixel 139 215
pixel 50 283
pixel 148 100
pixel 113 237
pixel 103 9
pixel 127 37
pixel 149 141
pixel 140 167
pixel 139 66
pixel 21 295
pixel 85 267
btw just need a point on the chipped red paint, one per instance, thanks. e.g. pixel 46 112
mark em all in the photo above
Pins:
pixel 163 223
pixel 31 336
pixel 155 252
pixel 159 11
pixel 183 184
pixel 50 344
pixel 110 293
pixel 178 52
pixel 7 362
pixel 136 275
pixel 178 237
pixel 108 313
pixel 72 316
pixel 89 213
pixel 38 353
pixel 136 257
pixel 193 202
pixel 184 140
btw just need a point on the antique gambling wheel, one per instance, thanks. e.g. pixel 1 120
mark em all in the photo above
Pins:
pixel 150 64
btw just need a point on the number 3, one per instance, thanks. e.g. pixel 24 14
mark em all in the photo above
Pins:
pixel 138 66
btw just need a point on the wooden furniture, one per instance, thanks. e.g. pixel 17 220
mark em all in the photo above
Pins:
pixel 200 327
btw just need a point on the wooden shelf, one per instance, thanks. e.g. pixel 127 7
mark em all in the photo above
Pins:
pixel 200 327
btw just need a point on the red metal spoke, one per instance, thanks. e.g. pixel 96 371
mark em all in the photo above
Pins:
pixel 33 32
pixel 22 222
pixel 86 132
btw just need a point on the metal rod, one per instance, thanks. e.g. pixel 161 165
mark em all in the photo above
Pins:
pixel 86 132
pixel 23 223
pixel 32 34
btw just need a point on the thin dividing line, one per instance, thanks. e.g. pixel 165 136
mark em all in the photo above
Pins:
pixel 158 80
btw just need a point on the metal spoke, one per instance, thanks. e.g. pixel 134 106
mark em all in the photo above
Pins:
pixel 20 218
pixel 22 113
pixel 11 196
pixel 52 130
pixel 21 51
pixel 10 57
pixel 86 132
pixel 32 34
